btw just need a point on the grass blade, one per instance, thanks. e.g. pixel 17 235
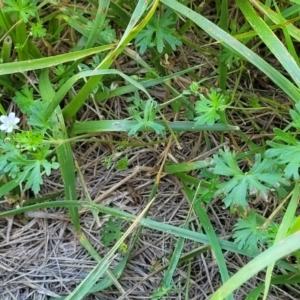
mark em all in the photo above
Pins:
pixel 124 125
pixel 128 35
pixel 46 62
pixel 7 187
pixel 276 252
pixel 186 167
pixel 286 222
pixel 271 40
pixel 211 235
pixel 232 44
pixel 84 287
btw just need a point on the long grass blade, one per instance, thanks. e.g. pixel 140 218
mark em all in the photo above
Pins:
pixel 128 35
pixel 271 40
pixel 124 125
pixel 233 45
pixel 211 235
pixel 47 62
pixel 282 232
pixel 271 255
pixel 91 279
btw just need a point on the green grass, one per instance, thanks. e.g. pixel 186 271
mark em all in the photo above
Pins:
pixel 53 90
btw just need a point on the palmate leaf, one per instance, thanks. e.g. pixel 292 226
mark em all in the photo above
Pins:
pixel 286 154
pixel 248 233
pixel 25 8
pixel 285 150
pixel 24 99
pixel 208 108
pixel 37 30
pixel 257 180
pixel 26 168
pixel 148 120
pixel 157 32
pixel 37 117
pixel 33 171
pixel 107 35
pixel 111 232
pixel 8 152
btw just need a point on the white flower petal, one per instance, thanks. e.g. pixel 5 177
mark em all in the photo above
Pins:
pixel 9 129
pixel 16 120
pixel 9 122
pixel 3 118
pixel 3 127
pixel 11 116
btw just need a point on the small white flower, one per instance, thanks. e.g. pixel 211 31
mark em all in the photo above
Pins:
pixel 9 122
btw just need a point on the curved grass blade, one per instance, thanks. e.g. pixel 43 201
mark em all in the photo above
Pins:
pixel 232 44
pixel 66 161
pixel 271 40
pixel 84 287
pixel 271 255
pixel 70 82
pixel 180 98
pixel 146 84
pixel 46 62
pixel 286 222
pixel 169 229
pixel 166 281
pixel 128 35
pixel 272 15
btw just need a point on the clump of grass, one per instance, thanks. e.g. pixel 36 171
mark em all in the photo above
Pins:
pixel 59 68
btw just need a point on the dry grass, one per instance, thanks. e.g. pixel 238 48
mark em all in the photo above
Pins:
pixel 40 256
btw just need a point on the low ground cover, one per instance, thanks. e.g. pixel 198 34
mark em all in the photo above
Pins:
pixel 149 150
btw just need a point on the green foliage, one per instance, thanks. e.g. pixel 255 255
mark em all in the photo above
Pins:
pixel 26 166
pixel 285 151
pixel 209 108
pixel 63 72
pixel 100 88
pixel 257 181
pixel 194 87
pixel 122 164
pixel 230 58
pixel 24 99
pixel 25 8
pixel 27 155
pixel 157 32
pixel 37 117
pixel 111 232
pixel 207 194
pixel 161 292
pixel 295 114
pixel 254 102
pixel 148 121
pixel 60 69
pixel 107 162
pixel 32 172
pixel 106 36
pixel 248 234
pixel 24 155
pixel 37 30
pixel 29 140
